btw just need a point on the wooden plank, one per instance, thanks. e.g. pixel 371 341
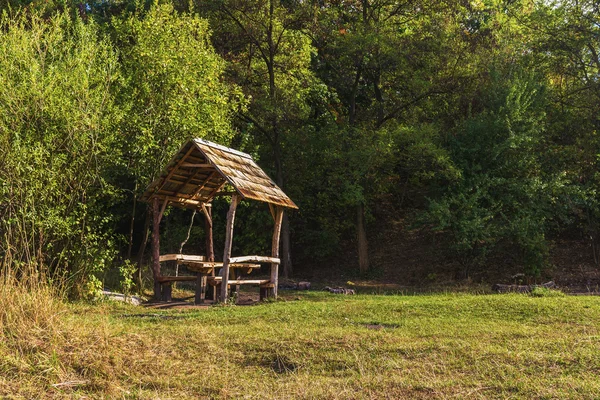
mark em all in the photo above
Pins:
pixel 201 269
pixel 215 280
pixel 272 260
pixel 275 249
pixel 184 257
pixel 208 264
pixel 227 249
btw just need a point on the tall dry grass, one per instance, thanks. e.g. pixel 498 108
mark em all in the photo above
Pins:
pixel 29 308
pixel 30 327
pixel 45 349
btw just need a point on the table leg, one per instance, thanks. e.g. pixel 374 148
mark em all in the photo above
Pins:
pixel 167 291
pixel 200 289
pixel 211 292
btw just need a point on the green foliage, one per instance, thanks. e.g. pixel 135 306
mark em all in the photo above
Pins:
pixel 92 289
pixel 126 271
pixel 57 129
pixel 503 194
pixel 172 89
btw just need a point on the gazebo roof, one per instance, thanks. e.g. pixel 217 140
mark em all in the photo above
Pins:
pixel 201 170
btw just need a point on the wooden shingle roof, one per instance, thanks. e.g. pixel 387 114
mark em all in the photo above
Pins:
pixel 202 169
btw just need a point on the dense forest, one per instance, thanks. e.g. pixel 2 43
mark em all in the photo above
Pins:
pixel 475 123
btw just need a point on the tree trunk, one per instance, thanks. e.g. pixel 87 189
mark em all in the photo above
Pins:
pixel 142 250
pixel 156 247
pixel 132 222
pixel 286 250
pixel 363 245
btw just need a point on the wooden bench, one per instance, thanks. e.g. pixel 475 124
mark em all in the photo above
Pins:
pixel 264 284
pixel 216 280
pixel 165 284
pixel 208 266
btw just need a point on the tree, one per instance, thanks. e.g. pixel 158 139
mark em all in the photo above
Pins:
pixel 270 59
pixel 172 91
pixel 385 61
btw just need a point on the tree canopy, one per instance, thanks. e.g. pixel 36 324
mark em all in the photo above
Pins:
pixel 477 121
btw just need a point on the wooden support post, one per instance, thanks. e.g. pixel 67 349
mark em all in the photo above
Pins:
pixel 210 250
pixel 156 248
pixel 275 251
pixel 228 243
pixel 200 289
pixel 263 293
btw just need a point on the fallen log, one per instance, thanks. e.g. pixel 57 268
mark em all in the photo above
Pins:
pixel 501 288
pixel 339 290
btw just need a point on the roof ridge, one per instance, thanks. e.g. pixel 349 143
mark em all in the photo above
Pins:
pixel 222 148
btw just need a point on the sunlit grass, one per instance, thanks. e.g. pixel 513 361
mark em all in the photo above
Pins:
pixel 329 346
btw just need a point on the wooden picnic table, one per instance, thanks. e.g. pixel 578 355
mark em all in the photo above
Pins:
pixel 206 273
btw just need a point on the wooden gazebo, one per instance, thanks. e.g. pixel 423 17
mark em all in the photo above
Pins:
pixel 200 171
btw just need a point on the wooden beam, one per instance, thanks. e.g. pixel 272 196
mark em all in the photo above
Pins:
pixel 162 209
pixel 195 192
pixel 244 259
pixel 188 180
pixel 228 243
pixel 215 190
pixel 272 210
pixel 207 214
pixel 191 165
pixel 275 249
pixel 197 160
pixel 183 201
pixel 156 248
pixel 170 174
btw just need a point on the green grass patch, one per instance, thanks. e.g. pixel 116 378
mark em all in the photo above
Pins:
pixel 324 346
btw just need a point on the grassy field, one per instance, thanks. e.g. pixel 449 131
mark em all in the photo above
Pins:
pixel 313 345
